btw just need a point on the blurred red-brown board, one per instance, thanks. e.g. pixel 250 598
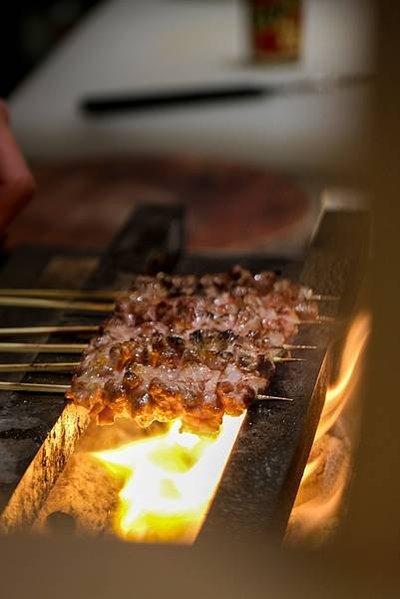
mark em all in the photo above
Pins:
pixel 229 207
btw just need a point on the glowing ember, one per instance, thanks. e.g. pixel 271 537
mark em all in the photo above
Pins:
pixel 319 499
pixel 169 481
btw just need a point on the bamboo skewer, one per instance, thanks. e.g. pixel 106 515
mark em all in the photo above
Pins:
pixel 106 294
pixel 53 388
pixel 49 304
pixel 324 298
pixel 63 299
pixel 39 367
pixel 279 359
pixel 40 330
pixel 33 302
pixel 28 298
pixel 272 398
pixel 289 346
pixel 33 387
pixel 77 348
pixel 48 348
pixel 319 320
pixel 62 293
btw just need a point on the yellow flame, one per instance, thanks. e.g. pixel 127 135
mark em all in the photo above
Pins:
pixel 325 476
pixel 338 395
pixel 169 481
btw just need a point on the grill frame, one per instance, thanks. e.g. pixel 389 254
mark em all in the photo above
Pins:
pixel 261 479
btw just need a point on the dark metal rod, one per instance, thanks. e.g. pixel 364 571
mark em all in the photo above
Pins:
pixel 170 98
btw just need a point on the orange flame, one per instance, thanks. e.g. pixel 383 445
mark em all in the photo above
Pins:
pixel 169 482
pixel 320 495
pixel 339 394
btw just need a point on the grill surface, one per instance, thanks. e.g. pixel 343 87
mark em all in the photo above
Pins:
pixel 262 477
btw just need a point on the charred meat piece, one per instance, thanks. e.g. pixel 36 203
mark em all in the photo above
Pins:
pixel 236 301
pixel 189 347
pixel 155 377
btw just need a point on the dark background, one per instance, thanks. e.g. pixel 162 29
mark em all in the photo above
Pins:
pixel 29 30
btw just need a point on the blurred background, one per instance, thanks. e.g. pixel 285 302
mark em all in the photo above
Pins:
pixel 257 162
pixel 30 31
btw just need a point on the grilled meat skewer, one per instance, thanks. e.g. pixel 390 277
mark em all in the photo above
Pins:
pixel 190 347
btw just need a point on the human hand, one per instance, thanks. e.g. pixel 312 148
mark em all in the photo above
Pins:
pixel 16 181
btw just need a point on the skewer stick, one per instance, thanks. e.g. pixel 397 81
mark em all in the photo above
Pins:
pixel 319 320
pixel 62 293
pixel 40 330
pixel 24 302
pixel 33 387
pixel 77 348
pixel 52 388
pixel 323 298
pixel 39 367
pixel 279 359
pixel 289 346
pixel 108 294
pixel 272 398
pixel 48 348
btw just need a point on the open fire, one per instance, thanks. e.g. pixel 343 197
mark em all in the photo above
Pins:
pixel 169 481
pixel 140 484
pixel 320 496
pixel 158 486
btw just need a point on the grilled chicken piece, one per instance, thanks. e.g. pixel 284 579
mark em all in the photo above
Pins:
pixel 189 347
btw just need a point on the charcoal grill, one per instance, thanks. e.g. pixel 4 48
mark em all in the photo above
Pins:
pixel 38 433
